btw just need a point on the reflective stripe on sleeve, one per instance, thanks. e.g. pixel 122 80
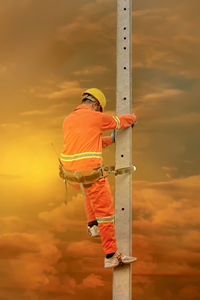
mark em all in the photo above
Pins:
pixel 118 122
pixel 105 219
pixel 78 156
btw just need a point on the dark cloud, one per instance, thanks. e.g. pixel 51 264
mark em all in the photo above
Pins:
pixel 166 227
pixel 164 37
pixel 166 87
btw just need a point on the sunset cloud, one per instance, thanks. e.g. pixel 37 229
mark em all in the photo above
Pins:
pixel 91 281
pixel 29 256
pixel 49 110
pixel 64 216
pixel 50 52
pixel 164 222
pixel 164 93
pixel 65 89
pixel 92 70
pixel 160 42
pixel 92 22
pixel 163 240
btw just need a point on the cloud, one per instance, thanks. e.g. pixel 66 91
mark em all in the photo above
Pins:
pixel 95 30
pixel 152 12
pixel 164 39
pixel 189 291
pixel 37 262
pixel 55 99
pixel 169 171
pixel 92 70
pixel 15 244
pixel 91 281
pixel 164 93
pixel 48 110
pixel 86 247
pixel 69 31
pixel 165 240
pixel 165 225
pixel 174 194
pixel 26 254
pixel 65 89
pixel 14 224
pixel 189 119
pixel 64 216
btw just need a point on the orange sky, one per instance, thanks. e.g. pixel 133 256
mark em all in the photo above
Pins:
pixel 51 51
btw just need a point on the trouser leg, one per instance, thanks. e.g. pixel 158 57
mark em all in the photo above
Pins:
pixel 89 210
pixel 101 200
pixel 88 205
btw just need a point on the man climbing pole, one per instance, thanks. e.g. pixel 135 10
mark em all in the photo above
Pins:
pixel 81 164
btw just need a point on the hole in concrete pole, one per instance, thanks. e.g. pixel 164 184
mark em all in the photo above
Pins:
pixel 124 28
pixel 122 155
pixel 124 48
pixel 124 68
pixel 122 208
pixel 124 98
pixel 124 38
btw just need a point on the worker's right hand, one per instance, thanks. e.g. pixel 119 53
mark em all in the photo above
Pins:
pixel 134 122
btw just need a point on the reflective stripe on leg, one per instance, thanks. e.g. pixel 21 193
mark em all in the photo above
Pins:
pixel 105 219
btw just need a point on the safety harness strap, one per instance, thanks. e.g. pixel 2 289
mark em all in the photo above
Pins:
pixel 87 178
pixel 90 176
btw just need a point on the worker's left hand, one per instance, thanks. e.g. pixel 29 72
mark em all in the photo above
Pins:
pixel 113 136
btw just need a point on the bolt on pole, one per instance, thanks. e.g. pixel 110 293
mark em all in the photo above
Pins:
pixel 122 276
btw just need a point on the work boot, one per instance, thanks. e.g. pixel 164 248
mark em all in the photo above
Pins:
pixel 118 259
pixel 93 231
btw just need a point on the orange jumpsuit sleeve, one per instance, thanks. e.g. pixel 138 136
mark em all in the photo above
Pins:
pixel 106 141
pixel 117 122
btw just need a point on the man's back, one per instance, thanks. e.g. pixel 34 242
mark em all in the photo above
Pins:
pixel 82 139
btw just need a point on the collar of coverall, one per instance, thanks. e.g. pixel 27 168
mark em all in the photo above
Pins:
pixel 83 106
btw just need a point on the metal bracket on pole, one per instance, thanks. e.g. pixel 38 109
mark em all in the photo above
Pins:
pixel 122 279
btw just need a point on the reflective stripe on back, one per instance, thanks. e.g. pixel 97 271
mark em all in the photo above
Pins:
pixel 78 156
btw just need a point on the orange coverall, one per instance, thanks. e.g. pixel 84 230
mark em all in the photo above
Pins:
pixel 83 143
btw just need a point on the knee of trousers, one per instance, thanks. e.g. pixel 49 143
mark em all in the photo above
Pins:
pixel 89 210
pixel 101 199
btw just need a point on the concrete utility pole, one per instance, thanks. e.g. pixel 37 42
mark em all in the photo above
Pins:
pixel 122 276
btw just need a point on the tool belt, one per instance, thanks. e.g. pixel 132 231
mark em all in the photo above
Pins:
pixel 87 178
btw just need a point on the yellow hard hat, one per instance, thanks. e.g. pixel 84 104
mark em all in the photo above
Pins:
pixel 98 95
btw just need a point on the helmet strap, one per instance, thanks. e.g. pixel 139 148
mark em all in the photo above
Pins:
pixel 91 98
